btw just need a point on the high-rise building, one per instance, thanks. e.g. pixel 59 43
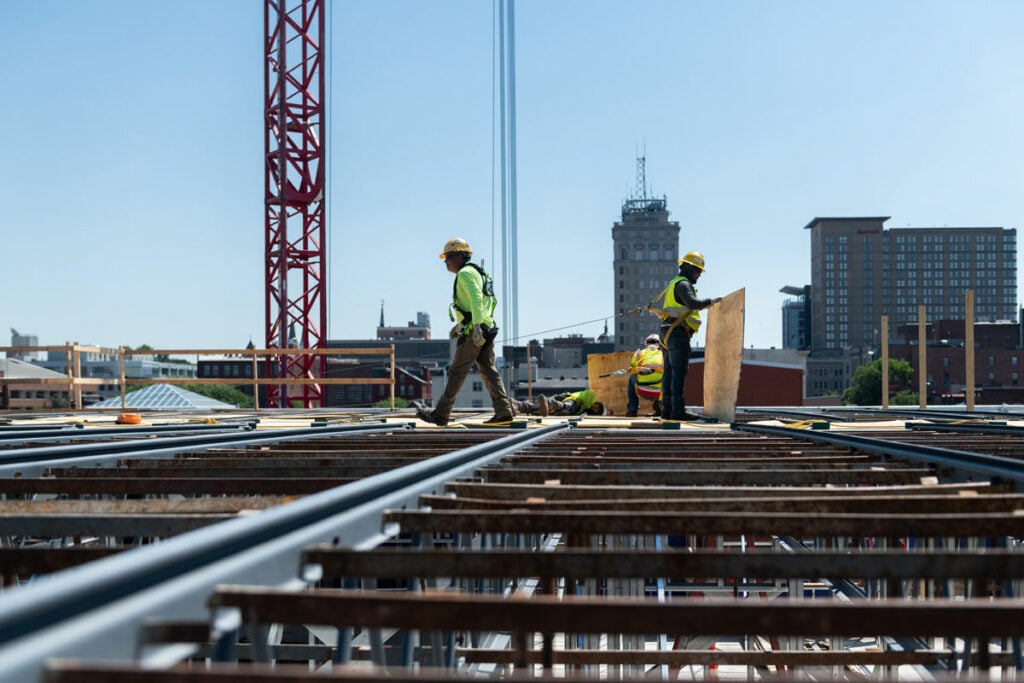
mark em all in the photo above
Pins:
pixel 646 249
pixel 861 271
pixel 796 318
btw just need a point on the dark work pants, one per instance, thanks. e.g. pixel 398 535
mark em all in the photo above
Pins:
pixel 673 381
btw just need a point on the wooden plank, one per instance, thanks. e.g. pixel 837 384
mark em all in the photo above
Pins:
pixel 723 356
pixel 610 390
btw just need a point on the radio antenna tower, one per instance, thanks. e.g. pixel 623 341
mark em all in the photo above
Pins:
pixel 641 173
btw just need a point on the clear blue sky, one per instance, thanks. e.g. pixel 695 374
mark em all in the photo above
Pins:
pixel 132 175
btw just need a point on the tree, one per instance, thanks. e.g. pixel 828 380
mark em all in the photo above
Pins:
pixel 866 387
pixel 159 357
pixel 386 403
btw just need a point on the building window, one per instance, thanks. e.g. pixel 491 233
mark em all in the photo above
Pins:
pixel 478 386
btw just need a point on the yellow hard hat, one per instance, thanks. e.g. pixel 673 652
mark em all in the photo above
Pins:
pixel 456 244
pixel 695 259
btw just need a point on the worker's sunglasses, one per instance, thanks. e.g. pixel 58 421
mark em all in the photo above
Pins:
pixel 449 257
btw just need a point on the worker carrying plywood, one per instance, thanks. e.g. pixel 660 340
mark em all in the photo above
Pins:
pixel 680 320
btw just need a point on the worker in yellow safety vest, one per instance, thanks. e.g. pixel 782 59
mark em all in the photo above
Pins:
pixel 680 320
pixel 472 310
pixel 645 372
pixel 565 403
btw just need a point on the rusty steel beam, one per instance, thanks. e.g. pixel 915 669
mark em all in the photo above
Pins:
pixel 252 471
pixel 128 486
pixel 980 525
pixel 147 526
pixel 261 460
pixel 689 460
pixel 813 504
pixel 42 560
pixel 67 671
pixel 581 492
pixel 672 477
pixel 230 504
pixel 336 563
pixel 437 611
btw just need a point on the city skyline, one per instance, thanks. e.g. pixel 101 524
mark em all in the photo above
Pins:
pixel 134 180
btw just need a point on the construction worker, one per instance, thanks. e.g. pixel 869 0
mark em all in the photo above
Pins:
pixel 645 371
pixel 570 403
pixel 680 320
pixel 472 310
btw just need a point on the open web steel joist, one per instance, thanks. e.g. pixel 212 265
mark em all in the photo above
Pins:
pixel 731 553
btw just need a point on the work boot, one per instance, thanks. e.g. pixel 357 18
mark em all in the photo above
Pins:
pixel 499 420
pixel 429 416
pixel 630 413
pixel 657 406
pixel 525 407
pixel 542 406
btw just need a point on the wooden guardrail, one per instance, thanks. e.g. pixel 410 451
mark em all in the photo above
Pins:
pixel 75 381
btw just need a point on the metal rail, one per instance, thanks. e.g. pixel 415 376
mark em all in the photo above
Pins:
pixel 967 464
pixel 26 462
pixel 54 436
pixel 822 537
pixel 95 611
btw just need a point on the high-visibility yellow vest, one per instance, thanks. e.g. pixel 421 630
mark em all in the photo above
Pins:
pixel 648 357
pixel 674 309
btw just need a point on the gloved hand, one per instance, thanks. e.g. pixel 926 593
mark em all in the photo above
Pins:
pixel 455 332
pixel 645 371
pixel 716 300
pixel 478 335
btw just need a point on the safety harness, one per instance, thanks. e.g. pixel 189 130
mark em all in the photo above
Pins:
pixel 466 317
pixel 680 313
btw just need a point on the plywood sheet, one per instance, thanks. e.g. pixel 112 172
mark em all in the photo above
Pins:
pixel 611 389
pixel 723 356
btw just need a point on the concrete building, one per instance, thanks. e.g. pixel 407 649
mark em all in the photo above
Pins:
pixel 646 251
pixel 23 340
pixel 35 387
pixel 861 271
pixel 420 329
pixel 107 366
pixel 796 318
pixel 998 356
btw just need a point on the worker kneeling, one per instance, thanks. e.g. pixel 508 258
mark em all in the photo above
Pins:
pixel 645 372
pixel 566 403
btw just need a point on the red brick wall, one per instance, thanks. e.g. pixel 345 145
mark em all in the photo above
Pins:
pixel 760 385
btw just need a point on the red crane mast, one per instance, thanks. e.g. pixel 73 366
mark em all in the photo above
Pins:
pixel 295 257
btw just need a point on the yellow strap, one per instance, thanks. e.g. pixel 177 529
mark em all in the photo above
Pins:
pixel 664 342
